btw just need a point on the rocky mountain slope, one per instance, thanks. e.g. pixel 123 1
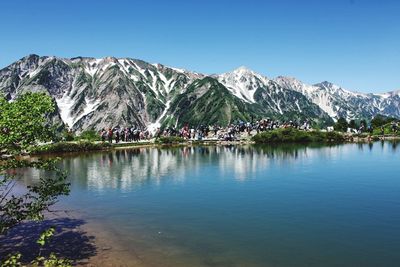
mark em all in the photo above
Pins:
pixel 339 102
pixel 95 93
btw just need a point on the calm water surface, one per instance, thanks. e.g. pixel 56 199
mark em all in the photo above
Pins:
pixel 246 206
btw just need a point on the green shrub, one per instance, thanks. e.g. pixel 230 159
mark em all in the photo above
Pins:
pixel 341 125
pixel 68 136
pixel 291 135
pixel 63 147
pixel 89 135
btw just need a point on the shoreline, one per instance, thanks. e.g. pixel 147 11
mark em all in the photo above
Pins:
pixel 190 143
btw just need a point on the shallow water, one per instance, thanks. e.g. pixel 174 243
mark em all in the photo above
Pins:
pixel 245 205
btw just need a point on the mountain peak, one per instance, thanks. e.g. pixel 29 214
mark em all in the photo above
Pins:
pixel 243 70
pixel 326 83
pixel 287 79
pixel 30 57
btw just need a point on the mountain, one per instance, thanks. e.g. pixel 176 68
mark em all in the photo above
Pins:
pixel 271 98
pixel 98 93
pixel 339 102
pixel 95 93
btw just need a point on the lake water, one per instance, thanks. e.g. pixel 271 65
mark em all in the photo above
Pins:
pixel 245 205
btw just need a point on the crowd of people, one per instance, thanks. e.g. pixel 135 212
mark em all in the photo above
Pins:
pixel 230 133
pixel 124 134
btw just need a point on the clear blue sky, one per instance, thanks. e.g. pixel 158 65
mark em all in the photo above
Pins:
pixel 353 43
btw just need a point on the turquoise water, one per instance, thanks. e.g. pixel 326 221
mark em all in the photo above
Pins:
pixel 246 206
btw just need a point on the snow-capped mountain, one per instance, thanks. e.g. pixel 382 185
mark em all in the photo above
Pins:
pixel 243 83
pixel 339 102
pixel 268 95
pixel 95 93
pixel 98 93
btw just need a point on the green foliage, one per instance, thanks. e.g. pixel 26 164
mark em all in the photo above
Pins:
pixel 387 128
pixel 154 105
pixel 341 125
pixel 51 261
pixel 170 140
pixel 89 135
pixel 215 106
pixel 39 197
pixel 380 120
pixel 353 124
pixel 45 236
pixel 12 261
pixel 291 135
pixel 64 147
pixel 22 126
pixel 23 121
pixel 68 136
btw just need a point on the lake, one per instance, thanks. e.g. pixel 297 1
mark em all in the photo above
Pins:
pixel 244 205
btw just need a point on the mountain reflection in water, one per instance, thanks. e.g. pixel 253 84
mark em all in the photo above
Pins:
pixel 129 168
pixel 287 205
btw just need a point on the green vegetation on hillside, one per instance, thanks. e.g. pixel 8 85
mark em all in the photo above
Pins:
pixel 207 102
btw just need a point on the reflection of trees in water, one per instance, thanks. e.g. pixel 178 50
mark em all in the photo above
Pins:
pixel 390 145
pixel 127 169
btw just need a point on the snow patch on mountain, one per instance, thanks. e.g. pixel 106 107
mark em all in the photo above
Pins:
pixel 152 127
pixel 243 83
pixel 65 105
pixel 322 98
pixel 92 66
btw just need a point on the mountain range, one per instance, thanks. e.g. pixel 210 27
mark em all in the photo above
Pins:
pixel 95 93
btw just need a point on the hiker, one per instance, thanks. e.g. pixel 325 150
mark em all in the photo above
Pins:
pixel 110 135
pixel 117 136
pixel 103 135
pixel 394 127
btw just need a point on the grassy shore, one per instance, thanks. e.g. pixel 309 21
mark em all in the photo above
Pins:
pixel 278 136
pixel 291 135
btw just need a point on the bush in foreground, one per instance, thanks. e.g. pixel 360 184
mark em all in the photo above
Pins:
pixel 291 135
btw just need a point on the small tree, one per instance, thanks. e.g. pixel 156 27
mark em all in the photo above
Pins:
pixel 341 125
pixel 23 124
pixel 353 124
pixel 380 120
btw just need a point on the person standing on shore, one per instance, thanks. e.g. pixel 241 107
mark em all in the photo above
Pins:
pixel 117 136
pixel 103 135
pixel 110 135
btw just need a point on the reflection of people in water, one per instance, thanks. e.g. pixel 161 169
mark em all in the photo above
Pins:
pixel 394 145
pixel 110 159
pixel 185 152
